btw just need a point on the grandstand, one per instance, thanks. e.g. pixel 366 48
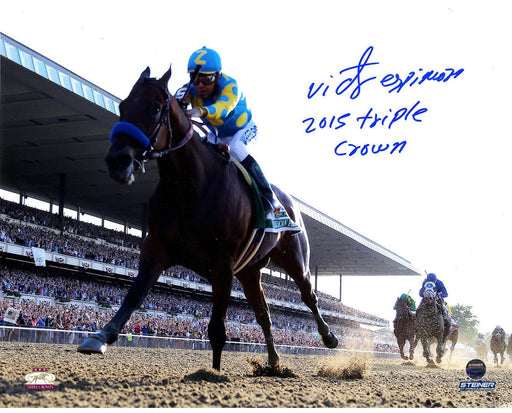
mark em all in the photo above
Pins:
pixel 45 106
pixel 80 279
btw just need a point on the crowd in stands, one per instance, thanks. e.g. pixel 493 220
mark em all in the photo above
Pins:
pixel 178 315
pixel 42 218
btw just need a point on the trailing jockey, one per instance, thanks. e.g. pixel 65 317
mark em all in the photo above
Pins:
pixel 411 304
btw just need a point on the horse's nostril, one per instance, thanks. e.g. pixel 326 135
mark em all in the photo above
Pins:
pixel 121 161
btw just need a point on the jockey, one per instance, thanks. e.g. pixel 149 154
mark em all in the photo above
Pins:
pixel 216 99
pixel 438 287
pixel 410 302
pixel 499 330
pixel 433 283
pixel 480 339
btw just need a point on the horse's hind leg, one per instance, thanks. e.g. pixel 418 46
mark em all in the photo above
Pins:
pixel 250 279
pixel 292 255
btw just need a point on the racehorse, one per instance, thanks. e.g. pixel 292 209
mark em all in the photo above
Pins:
pixel 404 328
pixel 498 344
pixel 200 216
pixel 481 351
pixel 509 347
pixel 430 324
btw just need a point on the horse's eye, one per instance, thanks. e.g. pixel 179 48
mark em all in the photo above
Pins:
pixel 156 110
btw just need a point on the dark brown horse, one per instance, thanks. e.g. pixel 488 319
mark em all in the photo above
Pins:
pixel 404 328
pixel 498 344
pixel 200 216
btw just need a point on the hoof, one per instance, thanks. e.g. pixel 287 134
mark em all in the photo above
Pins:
pixel 92 345
pixel 273 361
pixel 330 340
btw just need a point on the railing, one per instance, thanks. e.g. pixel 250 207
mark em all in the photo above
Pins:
pixel 52 336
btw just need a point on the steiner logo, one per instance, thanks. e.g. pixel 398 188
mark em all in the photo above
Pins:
pixel 476 369
pixel 477 385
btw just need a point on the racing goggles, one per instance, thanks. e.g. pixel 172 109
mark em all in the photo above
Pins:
pixel 206 80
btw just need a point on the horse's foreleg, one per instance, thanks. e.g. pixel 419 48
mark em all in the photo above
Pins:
pixel 440 347
pixel 401 344
pixel 250 280
pixel 221 290
pixel 412 345
pixel 425 343
pixel 150 267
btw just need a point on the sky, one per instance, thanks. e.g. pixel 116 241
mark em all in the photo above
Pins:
pixel 323 80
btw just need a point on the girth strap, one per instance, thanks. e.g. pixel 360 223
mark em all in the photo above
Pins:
pixel 251 248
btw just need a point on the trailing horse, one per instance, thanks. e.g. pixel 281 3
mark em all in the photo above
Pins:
pixel 430 324
pixel 509 347
pixel 201 216
pixel 481 351
pixel 404 328
pixel 498 344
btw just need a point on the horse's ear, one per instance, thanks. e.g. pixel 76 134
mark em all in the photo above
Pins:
pixel 165 78
pixel 144 74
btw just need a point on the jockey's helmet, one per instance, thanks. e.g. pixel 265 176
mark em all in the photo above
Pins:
pixel 431 277
pixel 209 59
pixel 404 296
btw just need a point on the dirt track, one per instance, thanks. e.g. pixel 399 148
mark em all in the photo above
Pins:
pixel 135 377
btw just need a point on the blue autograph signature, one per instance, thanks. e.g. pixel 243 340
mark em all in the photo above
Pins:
pixel 394 82
pixel 352 80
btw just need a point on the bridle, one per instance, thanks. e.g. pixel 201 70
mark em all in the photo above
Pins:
pixel 150 152
pixel 151 141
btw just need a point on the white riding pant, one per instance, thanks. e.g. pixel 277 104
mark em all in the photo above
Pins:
pixel 238 142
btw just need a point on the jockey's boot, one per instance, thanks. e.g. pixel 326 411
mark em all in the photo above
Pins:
pixel 270 204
